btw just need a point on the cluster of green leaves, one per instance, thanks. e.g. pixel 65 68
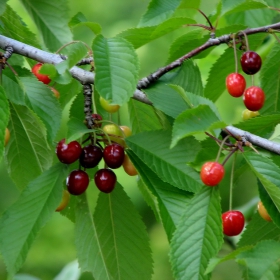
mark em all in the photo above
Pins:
pixel 167 147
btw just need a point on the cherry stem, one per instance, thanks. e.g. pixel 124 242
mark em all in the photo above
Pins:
pixel 230 154
pixel 235 53
pixel 276 37
pixel 246 40
pixel 209 22
pixel 74 42
pixel 231 182
pixel 221 147
pixel 94 105
pixel 218 140
pixel 200 25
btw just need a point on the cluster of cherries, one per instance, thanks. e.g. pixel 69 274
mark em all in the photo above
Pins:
pixel 253 97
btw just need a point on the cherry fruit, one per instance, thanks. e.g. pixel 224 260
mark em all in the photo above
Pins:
pixel 247 114
pixel 90 156
pixel 114 132
pixel 77 182
pixel 233 222
pixel 129 167
pixel 105 180
pixel 212 173
pixel 263 212
pixel 68 153
pixel 113 155
pixel 251 62
pixel 254 98
pixel 7 136
pixel 96 119
pixel 235 84
pixel 64 201
pixel 105 104
pixel 41 77
pixel 126 130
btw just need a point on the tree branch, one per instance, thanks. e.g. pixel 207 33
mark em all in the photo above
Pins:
pixel 87 77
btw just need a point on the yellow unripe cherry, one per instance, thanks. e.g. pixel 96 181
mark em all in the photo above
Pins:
pixel 107 106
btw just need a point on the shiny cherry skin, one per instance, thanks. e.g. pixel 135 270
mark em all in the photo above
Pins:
pixel 233 222
pixel 91 155
pixel 41 77
pixel 212 173
pixel 113 155
pixel 77 182
pixel 105 180
pixel 263 212
pixel 254 98
pixel 68 153
pixel 251 62
pixel 235 84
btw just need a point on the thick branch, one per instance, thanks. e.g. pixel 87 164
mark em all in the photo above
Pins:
pixel 253 139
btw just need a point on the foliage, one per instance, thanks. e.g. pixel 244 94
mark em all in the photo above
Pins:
pixel 168 145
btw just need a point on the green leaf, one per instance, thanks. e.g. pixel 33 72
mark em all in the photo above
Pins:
pixel 218 72
pixel 143 117
pixel 51 20
pixel 262 125
pixel 15 28
pixel 230 7
pixel 112 244
pixel 143 35
pixel 43 102
pixel 27 153
pixel 76 129
pixel 186 76
pixel 116 68
pixel 198 237
pixel 12 87
pixel 262 261
pixel 270 81
pixel 171 201
pixel 20 224
pixel 3 6
pixel 257 230
pixel 169 165
pixel 195 120
pixel 158 11
pixel 4 118
pixel 79 20
pixel 160 95
pixel 268 174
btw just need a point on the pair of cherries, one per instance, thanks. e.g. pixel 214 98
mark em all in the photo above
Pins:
pixel 253 97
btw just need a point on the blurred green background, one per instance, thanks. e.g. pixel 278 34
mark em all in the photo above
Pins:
pixel 54 247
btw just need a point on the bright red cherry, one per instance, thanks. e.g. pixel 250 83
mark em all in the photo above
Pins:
pixel 235 84
pixel 251 62
pixel 212 173
pixel 68 153
pixel 254 98
pixel 41 77
pixel 91 155
pixel 105 180
pixel 77 182
pixel 113 155
pixel 233 222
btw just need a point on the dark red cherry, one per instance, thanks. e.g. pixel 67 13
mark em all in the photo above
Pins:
pixel 90 157
pixel 68 153
pixel 77 182
pixel 96 119
pixel 251 62
pixel 105 180
pixel 113 155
